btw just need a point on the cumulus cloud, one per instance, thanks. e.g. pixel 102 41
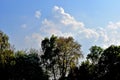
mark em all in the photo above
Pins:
pixel 66 19
pixel 89 33
pixel 62 23
pixel 111 34
pixel 38 14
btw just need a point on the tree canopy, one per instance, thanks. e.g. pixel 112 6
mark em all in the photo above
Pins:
pixel 19 65
pixel 58 60
pixel 60 55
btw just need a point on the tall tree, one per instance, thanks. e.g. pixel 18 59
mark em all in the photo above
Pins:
pixel 6 56
pixel 60 55
pixel 69 54
pixel 50 52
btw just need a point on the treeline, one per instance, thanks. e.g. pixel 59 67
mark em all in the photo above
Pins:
pixel 100 64
pixel 19 65
pixel 58 59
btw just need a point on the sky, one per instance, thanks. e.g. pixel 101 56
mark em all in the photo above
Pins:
pixel 89 22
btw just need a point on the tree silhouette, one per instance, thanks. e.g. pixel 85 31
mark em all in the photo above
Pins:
pixel 60 55
pixel 109 64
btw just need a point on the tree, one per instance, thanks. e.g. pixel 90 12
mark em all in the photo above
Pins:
pixel 6 57
pixel 50 52
pixel 84 72
pixel 19 65
pixel 88 69
pixel 69 54
pixel 5 52
pixel 109 64
pixel 95 54
pixel 60 55
pixel 28 67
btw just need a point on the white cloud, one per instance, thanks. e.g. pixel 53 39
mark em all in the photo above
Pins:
pixel 89 33
pixel 50 27
pixel 63 24
pixel 66 19
pixel 112 25
pixel 109 35
pixel 38 14
pixel 103 35
pixel 24 25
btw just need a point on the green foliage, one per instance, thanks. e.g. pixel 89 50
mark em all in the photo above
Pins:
pixel 28 67
pixel 84 72
pixel 95 53
pixel 69 54
pixel 109 63
pixel 60 55
pixel 20 65
pixel 50 52
pixel 106 66
pixel 6 57
pixel 4 44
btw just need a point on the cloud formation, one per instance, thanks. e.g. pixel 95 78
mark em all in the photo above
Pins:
pixel 111 34
pixel 63 24
pixel 66 19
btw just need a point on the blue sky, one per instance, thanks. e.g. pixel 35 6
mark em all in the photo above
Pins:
pixel 90 22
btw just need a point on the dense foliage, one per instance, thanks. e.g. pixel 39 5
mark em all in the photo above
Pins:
pixel 19 65
pixel 60 55
pixel 58 60
pixel 100 65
